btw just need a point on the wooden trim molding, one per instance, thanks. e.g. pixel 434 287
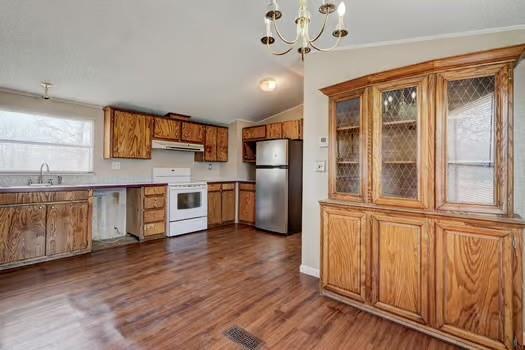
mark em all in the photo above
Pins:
pixel 511 54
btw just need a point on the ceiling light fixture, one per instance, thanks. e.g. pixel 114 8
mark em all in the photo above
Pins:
pixel 303 41
pixel 46 85
pixel 268 84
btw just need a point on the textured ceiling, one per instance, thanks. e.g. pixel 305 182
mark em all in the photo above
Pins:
pixel 201 58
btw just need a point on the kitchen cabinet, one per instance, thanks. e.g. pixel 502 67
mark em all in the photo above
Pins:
pixel 40 226
pixel 247 203
pixel 127 134
pixel 420 192
pixel 215 145
pixel 274 131
pixel 292 129
pixel 221 204
pixel 254 133
pixel 167 129
pixel 146 216
pixel 193 132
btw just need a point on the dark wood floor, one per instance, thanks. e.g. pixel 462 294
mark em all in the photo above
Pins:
pixel 183 293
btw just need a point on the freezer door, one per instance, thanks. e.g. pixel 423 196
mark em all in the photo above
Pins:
pixel 271 153
pixel 272 200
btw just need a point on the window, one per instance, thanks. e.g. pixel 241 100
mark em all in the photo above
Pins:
pixel 27 140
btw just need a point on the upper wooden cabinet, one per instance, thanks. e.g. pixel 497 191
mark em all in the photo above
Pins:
pixel 127 134
pixel 436 135
pixel 254 133
pixel 167 129
pixel 193 133
pixel 292 129
pixel 215 145
pixel 274 131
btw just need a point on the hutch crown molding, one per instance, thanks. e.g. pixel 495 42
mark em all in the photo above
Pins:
pixel 419 226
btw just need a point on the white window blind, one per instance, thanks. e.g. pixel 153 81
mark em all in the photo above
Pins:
pixel 27 140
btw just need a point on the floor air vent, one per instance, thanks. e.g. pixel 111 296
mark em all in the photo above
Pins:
pixel 244 338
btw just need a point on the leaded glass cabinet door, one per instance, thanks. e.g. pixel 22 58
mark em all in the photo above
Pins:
pixel 348 146
pixel 401 143
pixel 472 139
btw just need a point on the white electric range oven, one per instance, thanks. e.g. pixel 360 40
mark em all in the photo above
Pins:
pixel 187 200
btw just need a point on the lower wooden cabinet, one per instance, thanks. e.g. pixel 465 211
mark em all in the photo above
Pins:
pixel 455 278
pixel 247 203
pixel 67 228
pixel 221 204
pixel 146 216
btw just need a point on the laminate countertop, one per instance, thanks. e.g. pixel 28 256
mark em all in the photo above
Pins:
pixel 80 187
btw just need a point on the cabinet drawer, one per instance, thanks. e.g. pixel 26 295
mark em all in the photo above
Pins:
pixel 214 187
pixel 154 202
pixel 154 229
pixel 42 197
pixel 247 186
pixel 228 186
pixel 151 191
pixel 154 215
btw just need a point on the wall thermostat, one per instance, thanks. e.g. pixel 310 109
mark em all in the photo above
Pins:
pixel 323 142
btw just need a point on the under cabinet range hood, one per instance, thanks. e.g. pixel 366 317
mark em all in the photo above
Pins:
pixel 177 146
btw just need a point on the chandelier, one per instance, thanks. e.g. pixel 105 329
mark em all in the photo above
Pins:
pixel 303 41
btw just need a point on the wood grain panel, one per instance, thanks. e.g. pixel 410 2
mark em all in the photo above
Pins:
pixel 154 190
pixel 274 131
pixel 214 187
pixel 42 197
pixel 166 129
pixel 222 144
pixel 344 253
pixel 210 144
pixel 228 206
pixel 22 233
pixel 67 228
pixel 401 265
pixel 154 202
pixel 247 186
pixel 154 216
pixel 131 135
pixel 247 207
pixel 156 228
pixel 214 208
pixel 292 129
pixel 228 186
pixel 254 133
pixel 474 283
pixel 192 132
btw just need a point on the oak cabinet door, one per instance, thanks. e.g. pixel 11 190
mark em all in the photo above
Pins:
pixel 247 206
pixel 344 252
pixel 22 233
pixel 210 144
pixel 292 129
pixel 274 131
pixel 254 133
pixel 474 283
pixel 67 228
pixel 222 144
pixel 228 206
pixel 401 261
pixel 401 143
pixel 132 135
pixel 192 132
pixel 166 129
pixel 214 208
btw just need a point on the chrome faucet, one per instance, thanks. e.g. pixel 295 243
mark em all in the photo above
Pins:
pixel 41 177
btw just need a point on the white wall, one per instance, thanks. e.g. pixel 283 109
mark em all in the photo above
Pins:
pixel 324 69
pixel 293 113
pixel 131 170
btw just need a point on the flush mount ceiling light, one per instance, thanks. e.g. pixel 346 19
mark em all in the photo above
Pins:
pixel 46 85
pixel 303 41
pixel 268 84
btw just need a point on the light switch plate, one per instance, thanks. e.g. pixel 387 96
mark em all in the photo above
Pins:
pixel 115 165
pixel 320 166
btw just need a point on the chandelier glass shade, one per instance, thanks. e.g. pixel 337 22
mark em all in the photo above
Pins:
pixel 303 42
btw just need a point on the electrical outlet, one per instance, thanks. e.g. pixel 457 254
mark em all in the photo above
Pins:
pixel 210 166
pixel 115 165
pixel 320 166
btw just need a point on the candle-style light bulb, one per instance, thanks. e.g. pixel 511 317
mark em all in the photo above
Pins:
pixel 341 9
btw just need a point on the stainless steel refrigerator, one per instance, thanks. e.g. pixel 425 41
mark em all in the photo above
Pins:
pixel 279 186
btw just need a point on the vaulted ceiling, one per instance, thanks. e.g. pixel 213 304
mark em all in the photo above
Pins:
pixel 201 58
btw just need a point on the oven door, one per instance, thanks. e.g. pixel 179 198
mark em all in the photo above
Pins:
pixel 188 203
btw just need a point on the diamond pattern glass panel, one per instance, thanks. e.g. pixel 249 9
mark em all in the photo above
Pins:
pixel 399 143
pixel 348 115
pixel 471 140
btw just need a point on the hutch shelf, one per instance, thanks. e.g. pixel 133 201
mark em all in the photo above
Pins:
pixel 419 226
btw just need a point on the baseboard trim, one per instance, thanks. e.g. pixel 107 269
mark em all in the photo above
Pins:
pixel 310 271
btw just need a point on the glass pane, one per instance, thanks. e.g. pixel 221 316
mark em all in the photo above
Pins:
pixel 471 140
pixel 189 200
pixel 348 115
pixel 399 143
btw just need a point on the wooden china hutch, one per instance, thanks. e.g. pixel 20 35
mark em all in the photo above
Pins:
pixel 419 226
